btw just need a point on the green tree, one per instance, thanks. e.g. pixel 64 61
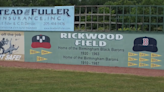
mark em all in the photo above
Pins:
pixel 5 3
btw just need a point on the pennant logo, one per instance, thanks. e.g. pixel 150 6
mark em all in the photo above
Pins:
pixel 131 64
pixel 43 52
pixel 155 65
pixel 34 51
pixel 155 60
pixel 143 59
pixel 142 64
pixel 131 59
pixel 40 58
pixel 132 54
pixel 143 54
pixel 155 55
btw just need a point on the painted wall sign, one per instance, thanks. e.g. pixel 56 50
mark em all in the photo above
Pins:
pixel 140 50
pixel 57 18
pixel 12 46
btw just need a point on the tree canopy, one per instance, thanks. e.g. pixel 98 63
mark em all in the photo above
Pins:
pixel 78 2
pixel 151 18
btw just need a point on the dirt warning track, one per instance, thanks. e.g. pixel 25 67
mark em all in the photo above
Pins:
pixel 85 68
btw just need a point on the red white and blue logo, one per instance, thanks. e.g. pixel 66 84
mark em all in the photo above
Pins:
pixel 41 41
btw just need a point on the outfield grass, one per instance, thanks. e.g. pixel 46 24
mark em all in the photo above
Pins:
pixel 35 80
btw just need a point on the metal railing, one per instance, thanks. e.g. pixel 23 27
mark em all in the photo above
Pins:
pixel 119 18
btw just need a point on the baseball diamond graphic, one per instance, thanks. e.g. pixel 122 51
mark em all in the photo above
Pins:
pixel 41 41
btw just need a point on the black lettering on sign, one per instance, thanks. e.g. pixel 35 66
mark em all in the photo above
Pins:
pixel 84 53
pixel 95 63
pixel 95 53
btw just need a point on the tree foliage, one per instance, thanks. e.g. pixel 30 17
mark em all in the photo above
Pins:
pixel 120 11
pixel 78 2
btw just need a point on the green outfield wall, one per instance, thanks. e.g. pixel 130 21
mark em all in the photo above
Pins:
pixel 120 49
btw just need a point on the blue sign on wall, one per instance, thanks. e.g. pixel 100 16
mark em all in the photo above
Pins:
pixel 57 18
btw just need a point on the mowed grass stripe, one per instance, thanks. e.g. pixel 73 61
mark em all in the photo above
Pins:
pixel 38 80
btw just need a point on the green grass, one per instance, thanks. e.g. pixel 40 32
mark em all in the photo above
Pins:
pixel 35 80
